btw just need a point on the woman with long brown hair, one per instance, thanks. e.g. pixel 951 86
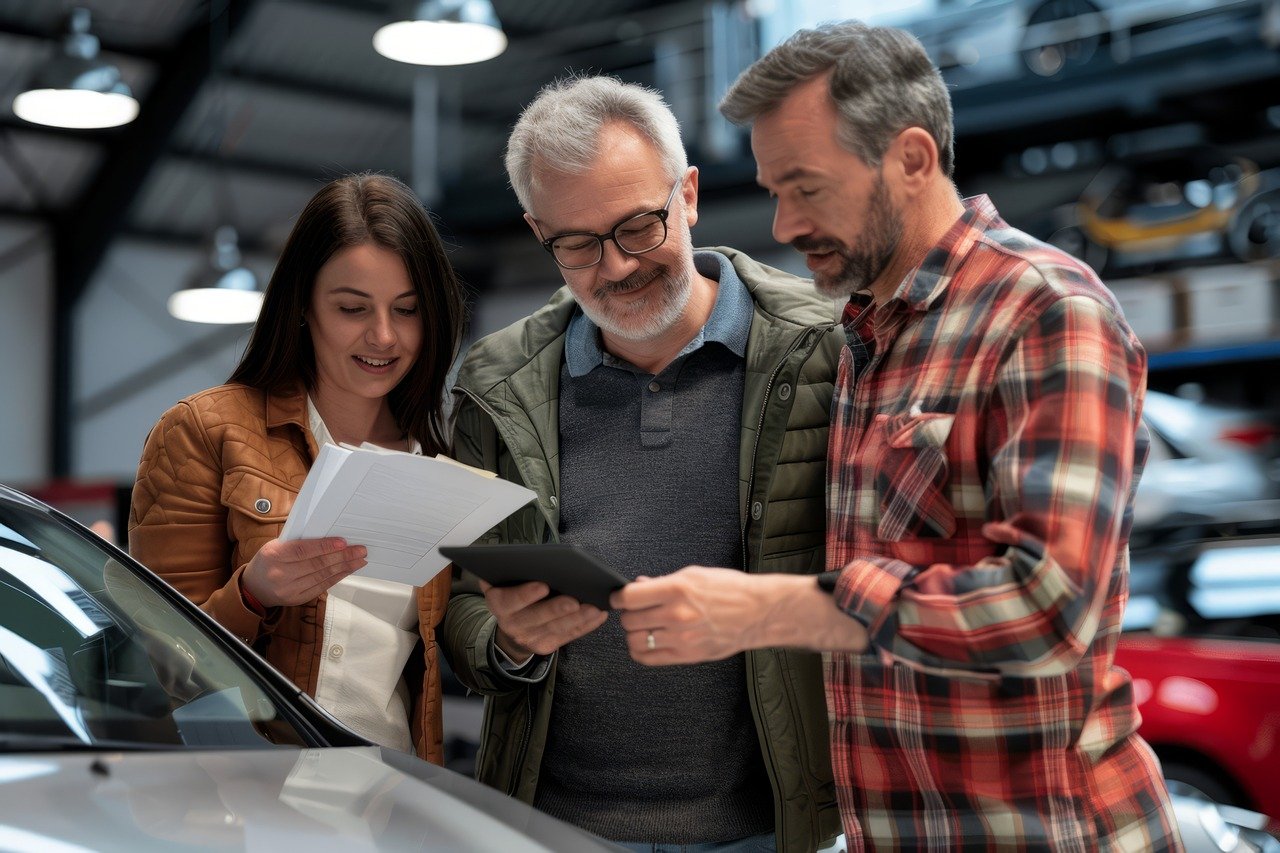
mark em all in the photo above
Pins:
pixel 360 323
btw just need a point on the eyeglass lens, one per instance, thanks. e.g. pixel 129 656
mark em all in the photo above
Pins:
pixel 637 235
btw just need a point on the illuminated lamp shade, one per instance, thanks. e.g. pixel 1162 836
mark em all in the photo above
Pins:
pixel 443 32
pixel 75 89
pixel 221 292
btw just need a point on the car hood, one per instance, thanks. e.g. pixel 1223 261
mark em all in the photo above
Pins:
pixel 359 798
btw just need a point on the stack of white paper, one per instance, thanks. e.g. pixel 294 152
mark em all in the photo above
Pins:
pixel 400 506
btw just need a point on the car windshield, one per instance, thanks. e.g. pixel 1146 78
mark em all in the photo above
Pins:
pixel 92 656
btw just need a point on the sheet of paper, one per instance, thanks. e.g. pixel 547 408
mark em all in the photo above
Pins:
pixel 402 507
pixel 327 463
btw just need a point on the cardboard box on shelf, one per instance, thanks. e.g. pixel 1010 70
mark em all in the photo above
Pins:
pixel 1237 303
pixel 1152 307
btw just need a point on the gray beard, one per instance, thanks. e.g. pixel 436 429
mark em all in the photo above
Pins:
pixel 653 317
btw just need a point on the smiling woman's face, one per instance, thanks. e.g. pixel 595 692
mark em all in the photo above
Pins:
pixel 364 323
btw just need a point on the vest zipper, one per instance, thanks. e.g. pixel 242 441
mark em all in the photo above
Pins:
pixel 780 811
pixel 764 408
pixel 527 734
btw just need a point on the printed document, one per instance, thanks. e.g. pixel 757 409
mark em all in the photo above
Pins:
pixel 400 506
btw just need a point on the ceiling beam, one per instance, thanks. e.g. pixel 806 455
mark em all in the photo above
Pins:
pixel 83 232
pixel 19 29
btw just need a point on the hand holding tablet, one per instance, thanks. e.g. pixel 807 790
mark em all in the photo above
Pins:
pixel 567 570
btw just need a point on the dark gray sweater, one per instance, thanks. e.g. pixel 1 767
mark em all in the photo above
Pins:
pixel 649 482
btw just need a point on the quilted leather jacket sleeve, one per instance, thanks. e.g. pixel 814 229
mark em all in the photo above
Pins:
pixel 178 523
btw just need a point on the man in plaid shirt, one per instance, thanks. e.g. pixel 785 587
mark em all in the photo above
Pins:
pixel 984 449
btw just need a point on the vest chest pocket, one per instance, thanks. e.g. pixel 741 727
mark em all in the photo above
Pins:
pixel 910 474
pixel 257 507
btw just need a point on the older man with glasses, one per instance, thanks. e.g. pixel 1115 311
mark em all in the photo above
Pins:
pixel 668 406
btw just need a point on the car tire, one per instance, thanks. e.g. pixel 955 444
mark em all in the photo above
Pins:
pixel 1203 781
pixel 1255 232
pixel 1052 58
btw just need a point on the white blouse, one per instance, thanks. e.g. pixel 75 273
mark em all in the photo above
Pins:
pixel 370 629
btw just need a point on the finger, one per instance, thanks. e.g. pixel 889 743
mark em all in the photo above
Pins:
pixel 327 570
pixel 548 637
pixel 334 561
pixel 582 621
pixel 652 593
pixel 321 581
pixel 644 620
pixel 510 599
pixel 532 620
pixel 297 550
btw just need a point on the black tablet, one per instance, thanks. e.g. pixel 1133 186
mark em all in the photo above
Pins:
pixel 567 570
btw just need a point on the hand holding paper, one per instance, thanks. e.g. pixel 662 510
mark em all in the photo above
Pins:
pixel 287 573
pixel 399 506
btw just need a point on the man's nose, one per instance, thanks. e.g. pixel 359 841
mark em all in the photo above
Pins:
pixel 615 264
pixel 788 224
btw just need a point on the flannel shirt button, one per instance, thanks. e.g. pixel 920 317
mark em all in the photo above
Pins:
pixel 655 387
pixel 757 510
pixel 784 391
pixel 335 651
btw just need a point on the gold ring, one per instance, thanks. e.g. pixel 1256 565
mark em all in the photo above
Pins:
pixel 650 643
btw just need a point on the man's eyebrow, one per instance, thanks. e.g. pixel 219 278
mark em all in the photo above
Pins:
pixel 793 174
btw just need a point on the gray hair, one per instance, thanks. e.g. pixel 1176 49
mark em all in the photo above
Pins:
pixel 561 128
pixel 882 82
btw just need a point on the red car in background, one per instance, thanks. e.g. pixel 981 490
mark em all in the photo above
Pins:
pixel 1202 642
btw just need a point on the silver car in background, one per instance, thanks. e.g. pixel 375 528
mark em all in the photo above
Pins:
pixel 1208 464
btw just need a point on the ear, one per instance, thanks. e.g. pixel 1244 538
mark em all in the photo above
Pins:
pixel 533 226
pixel 914 157
pixel 689 192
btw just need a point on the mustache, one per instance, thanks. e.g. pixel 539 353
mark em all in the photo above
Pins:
pixel 815 245
pixel 635 281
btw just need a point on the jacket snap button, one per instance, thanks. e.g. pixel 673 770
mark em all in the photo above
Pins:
pixel 757 510
pixel 262 505
pixel 335 652
pixel 784 391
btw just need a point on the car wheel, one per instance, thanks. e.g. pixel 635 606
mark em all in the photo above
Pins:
pixel 1255 233
pixel 1076 243
pixel 1061 34
pixel 1203 781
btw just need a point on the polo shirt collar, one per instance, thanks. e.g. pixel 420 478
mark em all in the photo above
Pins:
pixel 729 323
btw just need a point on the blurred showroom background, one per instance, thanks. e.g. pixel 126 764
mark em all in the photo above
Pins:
pixel 1141 135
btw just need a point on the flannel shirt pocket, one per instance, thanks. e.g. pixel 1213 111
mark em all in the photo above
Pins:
pixel 910 475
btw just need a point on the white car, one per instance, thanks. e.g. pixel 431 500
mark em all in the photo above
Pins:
pixel 1208 464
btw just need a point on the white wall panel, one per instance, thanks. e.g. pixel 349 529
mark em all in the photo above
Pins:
pixel 133 360
pixel 26 311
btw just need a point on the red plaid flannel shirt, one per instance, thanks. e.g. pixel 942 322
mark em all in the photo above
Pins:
pixel 982 470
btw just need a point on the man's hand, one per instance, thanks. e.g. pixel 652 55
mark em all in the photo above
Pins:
pixel 697 614
pixel 529 623
pixel 701 614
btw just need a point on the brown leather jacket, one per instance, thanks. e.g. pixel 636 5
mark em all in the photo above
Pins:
pixel 218 476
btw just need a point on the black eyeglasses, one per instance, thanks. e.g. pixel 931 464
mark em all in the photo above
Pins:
pixel 636 235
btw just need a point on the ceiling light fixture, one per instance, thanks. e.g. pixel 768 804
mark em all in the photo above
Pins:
pixel 443 32
pixel 75 89
pixel 223 291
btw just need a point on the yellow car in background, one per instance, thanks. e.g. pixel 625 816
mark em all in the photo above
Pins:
pixel 1171 207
